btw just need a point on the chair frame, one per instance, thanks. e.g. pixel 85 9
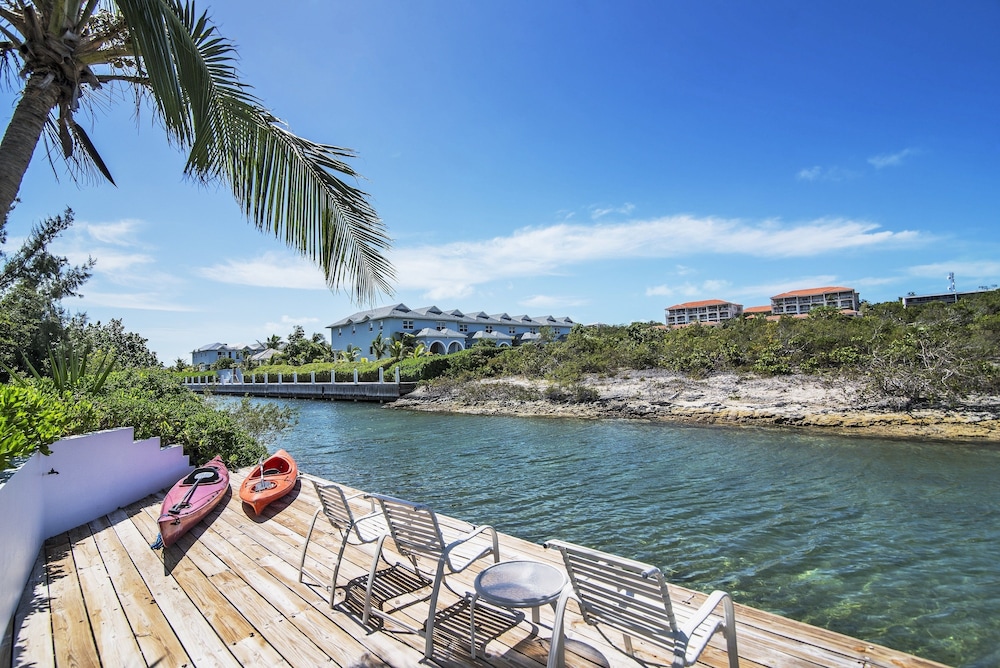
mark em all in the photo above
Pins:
pixel 416 533
pixel 633 598
pixel 335 504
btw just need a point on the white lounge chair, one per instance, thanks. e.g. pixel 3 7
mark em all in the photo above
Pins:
pixel 336 505
pixel 419 536
pixel 632 597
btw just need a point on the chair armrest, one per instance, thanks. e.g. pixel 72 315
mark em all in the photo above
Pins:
pixel 701 626
pixel 494 548
pixel 363 495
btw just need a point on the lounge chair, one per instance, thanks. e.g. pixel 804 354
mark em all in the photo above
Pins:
pixel 632 597
pixel 419 536
pixel 336 505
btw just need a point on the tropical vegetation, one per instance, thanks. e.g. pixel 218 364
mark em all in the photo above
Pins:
pixel 906 356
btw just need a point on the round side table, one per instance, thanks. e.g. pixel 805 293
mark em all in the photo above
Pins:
pixel 516 584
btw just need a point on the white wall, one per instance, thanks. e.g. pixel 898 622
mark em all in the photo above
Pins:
pixel 97 473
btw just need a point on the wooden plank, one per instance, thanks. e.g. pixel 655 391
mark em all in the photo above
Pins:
pixel 33 621
pixel 257 541
pixel 197 636
pixel 116 643
pixel 73 639
pixel 156 639
pixel 234 630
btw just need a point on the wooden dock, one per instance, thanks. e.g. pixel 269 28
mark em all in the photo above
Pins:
pixel 228 595
pixel 376 392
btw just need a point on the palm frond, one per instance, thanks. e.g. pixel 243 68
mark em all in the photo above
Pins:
pixel 286 185
pixel 83 140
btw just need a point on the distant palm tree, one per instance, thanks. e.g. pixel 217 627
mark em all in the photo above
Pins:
pixel 397 349
pixel 64 50
pixel 273 342
pixel 379 346
pixel 350 354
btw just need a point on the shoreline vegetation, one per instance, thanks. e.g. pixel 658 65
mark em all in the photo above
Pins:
pixel 823 403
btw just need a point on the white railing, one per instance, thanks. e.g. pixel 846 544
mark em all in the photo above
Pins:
pixel 84 478
pixel 240 378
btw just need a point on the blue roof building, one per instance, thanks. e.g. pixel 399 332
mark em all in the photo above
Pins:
pixel 440 331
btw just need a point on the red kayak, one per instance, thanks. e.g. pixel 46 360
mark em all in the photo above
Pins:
pixel 190 499
pixel 269 481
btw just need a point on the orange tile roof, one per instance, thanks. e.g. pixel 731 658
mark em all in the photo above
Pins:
pixel 757 309
pixel 707 302
pixel 812 291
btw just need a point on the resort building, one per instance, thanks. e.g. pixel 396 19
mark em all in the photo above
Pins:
pixel 441 331
pixel 758 310
pixel 208 355
pixel 796 304
pixel 949 297
pixel 800 302
pixel 708 312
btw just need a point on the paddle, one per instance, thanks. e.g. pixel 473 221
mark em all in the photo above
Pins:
pixel 199 477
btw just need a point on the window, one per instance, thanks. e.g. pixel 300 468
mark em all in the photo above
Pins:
pixel 440 326
pixel 463 328
pixel 340 331
pixel 408 324
pixel 371 326
pixel 512 331
pixel 489 329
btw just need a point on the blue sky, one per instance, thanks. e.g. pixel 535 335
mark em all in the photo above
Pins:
pixel 597 160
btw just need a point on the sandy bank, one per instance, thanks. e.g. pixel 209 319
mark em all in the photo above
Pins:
pixel 806 402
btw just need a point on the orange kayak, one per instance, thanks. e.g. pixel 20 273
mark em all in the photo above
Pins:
pixel 269 481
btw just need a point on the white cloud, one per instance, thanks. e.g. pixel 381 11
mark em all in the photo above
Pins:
pixel 958 267
pixel 708 289
pixel 597 212
pixel 143 301
pixel 109 261
pixel 453 271
pixel 549 302
pixel 120 233
pixel 270 270
pixel 817 173
pixel 890 159
pixel 287 323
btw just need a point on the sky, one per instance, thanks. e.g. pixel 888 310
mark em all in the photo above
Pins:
pixel 593 159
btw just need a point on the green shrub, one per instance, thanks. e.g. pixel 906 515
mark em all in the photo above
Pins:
pixel 29 421
pixel 154 403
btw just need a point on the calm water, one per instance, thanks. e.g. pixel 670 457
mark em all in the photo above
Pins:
pixel 894 542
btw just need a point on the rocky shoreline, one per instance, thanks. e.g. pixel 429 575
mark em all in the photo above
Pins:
pixel 806 402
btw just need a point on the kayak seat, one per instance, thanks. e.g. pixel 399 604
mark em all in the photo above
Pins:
pixel 196 475
pixel 272 471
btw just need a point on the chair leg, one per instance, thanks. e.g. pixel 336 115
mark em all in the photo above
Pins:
pixel 336 568
pixel 302 559
pixel 429 626
pixel 371 581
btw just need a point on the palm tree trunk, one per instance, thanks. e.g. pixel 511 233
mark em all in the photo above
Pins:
pixel 21 137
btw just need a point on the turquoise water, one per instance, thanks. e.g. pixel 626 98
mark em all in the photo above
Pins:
pixel 894 542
